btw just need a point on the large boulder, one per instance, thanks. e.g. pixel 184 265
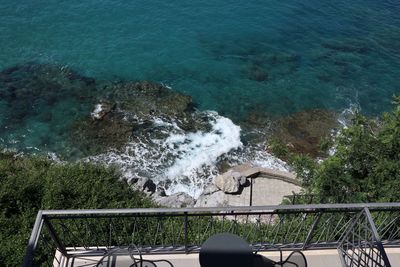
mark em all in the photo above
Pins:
pixel 146 185
pixel 216 199
pixel 177 200
pixel 230 181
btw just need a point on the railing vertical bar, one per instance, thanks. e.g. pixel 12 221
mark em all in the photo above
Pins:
pixel 186 224
pixel 251 191
pixel 33 240
pixel 377 238
pixel 311 232
pixel 53 235
pixel 110 233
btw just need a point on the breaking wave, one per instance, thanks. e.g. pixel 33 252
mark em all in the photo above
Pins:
pixel 180 161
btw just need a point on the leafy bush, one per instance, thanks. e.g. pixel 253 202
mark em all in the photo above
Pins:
pixel 302 164
pixel 366 164
pixel 32 183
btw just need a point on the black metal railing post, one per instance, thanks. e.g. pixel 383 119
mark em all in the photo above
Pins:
pixel 251 191
pixel 33 240
pixel 312 229
pixel 376 237
pixel 53 235
pixel 186 231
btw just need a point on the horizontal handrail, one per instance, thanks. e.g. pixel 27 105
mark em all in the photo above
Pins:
pixel 263 209
pixel 266 227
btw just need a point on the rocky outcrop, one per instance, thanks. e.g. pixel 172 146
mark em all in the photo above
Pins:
pixel 269 187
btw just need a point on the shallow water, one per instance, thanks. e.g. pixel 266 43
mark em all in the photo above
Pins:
pixel 234 57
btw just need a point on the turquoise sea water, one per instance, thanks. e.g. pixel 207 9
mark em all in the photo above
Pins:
pixel 233 57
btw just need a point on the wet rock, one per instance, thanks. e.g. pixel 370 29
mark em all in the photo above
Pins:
pixel 178 200
pixel 101 110
pixel 146 185
pixel 223 166
pixel 230 181
pixel 161 192
pixel 139 103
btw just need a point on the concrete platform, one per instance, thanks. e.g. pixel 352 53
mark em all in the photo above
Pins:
pixel 315 258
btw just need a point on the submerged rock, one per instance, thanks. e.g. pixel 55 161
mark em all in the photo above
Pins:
pixel 32 90
pixel 257 73
pixel 97 136
pixel 140 111
pixel 303 131
pixel 148 99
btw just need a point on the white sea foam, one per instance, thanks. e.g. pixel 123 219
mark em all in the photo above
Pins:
pixel 344 120
pixel 198 151
pixel 96 112
pixel 347 114
pixel 180 161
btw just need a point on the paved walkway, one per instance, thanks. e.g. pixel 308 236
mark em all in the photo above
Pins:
pixel 266 191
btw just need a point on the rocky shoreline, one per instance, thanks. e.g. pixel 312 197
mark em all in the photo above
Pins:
pixel 158 139
pixel 231 188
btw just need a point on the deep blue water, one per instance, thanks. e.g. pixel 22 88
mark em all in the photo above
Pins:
pixel 234 57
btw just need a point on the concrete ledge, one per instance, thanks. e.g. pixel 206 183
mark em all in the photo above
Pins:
pixel 260 172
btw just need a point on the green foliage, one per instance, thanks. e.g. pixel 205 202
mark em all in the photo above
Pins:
pixel 32 183
pixel 302 164
pixel 279 149
pixel 366 165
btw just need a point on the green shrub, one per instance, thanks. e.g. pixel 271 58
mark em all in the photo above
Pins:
pixel 32 183
pixel 366 165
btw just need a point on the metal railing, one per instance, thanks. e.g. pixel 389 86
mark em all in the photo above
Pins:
pixel 301 227
pixel 361 244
